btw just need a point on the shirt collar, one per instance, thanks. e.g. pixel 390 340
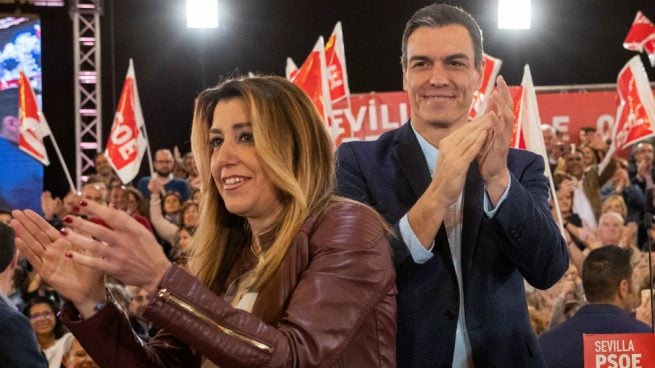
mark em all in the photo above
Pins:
pixel 430 152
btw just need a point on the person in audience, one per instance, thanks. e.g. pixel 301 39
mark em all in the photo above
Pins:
pixel 586 185
pixel 171 205
pixel 610 231
pixel 54 342
pixel 189 165
pixel 552 149
pixel 139 299
pixel 103 169
pixel 633 196
pixel 95 190
pixel 642 172
pixel 572 222
pixel 611 296
pixel 77 357
pixel 163 165
pixel 196 195
pixel 570 297
pixel 119 199
pixel 18 345
pixel 274 253
pixel 165 228
pixel 181 250
pixel 590 157
pixel 584 135
pixel 136 204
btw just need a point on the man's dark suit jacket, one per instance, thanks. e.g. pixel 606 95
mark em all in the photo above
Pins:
pixel 562 345
pixel 520 241
pixel 18 345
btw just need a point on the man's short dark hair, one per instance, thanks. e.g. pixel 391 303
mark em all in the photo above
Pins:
pixel 7 246
pixel 603 270
pixel 440 15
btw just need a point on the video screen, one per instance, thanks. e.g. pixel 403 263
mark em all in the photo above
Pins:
pixel 21 176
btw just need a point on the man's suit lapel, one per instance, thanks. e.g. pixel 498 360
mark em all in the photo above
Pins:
pixel 472 218
pixel 410 160
pixel 411 163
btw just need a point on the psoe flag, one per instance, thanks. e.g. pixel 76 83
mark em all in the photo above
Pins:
pixel 33 126
pixel 127 143
pixel 635 116
pixel 335 58
pixel 311 77
pixel 641 37
pixel 481 96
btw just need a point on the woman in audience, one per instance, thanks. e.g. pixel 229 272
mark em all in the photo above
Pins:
pixel 615 203
pixel 167 230
pixel 42 313
pixel 283 272
pixel 181 250
pixel 171 204
pixel 136 204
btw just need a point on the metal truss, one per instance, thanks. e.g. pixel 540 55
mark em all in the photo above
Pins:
pixel 88 92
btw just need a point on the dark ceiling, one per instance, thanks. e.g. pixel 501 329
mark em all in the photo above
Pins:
pixel 571 42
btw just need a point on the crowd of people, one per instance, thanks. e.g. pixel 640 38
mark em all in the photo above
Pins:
pixel 435 245
pixel 598 206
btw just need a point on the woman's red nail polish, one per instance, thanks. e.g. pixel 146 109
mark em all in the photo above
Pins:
pixel 68 220
pixel 63 231
pixel 68 254
pixel 76 209
pixel 83 203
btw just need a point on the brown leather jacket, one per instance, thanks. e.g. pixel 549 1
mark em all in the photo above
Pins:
pixel 332 303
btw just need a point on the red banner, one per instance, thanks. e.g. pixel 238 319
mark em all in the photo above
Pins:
pixel 619 350
pixel 373 113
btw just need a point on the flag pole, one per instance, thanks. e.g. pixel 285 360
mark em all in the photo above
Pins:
pixel 61 160
pixel 145 131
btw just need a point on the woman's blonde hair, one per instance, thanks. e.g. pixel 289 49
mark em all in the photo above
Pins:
pixel 612 199
pixel 295 152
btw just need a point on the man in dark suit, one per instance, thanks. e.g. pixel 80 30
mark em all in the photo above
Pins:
pixel 607 282
pixel 470 216
pixel 17 339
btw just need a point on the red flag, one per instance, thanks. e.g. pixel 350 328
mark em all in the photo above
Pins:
pixel 481 96
pixel 312 78
pixel 33 126
pixel 291 69
pixel 636 111
pixel 641 37
pixel 335 57
pixel 127 142
pixel 517 132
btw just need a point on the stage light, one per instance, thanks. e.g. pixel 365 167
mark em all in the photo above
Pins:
pixel 514 14
pixel 202 13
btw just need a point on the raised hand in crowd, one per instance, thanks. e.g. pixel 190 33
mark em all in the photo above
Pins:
pixel 621 180
pixel 155 186
pixel 597 142
pixel 569 184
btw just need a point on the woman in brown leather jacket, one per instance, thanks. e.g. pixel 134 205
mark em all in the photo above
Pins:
pixel 284 274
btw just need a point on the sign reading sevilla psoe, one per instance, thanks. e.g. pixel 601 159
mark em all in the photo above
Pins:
pixel 619 350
